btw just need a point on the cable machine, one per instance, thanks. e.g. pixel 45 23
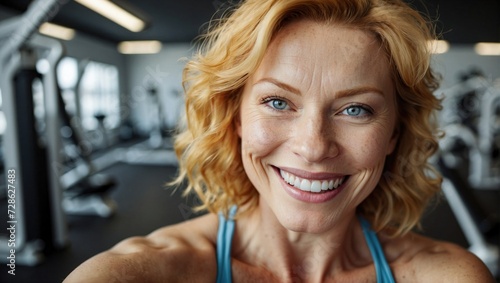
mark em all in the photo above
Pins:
pixel 31 157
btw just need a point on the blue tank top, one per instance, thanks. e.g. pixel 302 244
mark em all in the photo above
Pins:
pixel 225 237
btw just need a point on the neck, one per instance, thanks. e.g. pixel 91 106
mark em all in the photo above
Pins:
pixel 263 241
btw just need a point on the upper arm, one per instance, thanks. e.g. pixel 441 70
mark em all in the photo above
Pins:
pixel 145 260
pixel 105 267
pixel 469 268
pixel 125 262
pixel 456 265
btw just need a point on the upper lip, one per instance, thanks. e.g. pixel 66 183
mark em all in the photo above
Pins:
pixel 311 175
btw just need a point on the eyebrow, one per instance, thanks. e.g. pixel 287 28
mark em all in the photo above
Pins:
pixel 358 90
pixel 279 84
pixel 339 94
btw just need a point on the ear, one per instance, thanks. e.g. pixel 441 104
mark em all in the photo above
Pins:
pixel 393 141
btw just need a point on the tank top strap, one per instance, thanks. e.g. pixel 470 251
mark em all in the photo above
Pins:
pixel 224 242
pixel 382 268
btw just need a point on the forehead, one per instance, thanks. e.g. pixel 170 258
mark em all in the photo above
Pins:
pixel 313 51
pixel 348 40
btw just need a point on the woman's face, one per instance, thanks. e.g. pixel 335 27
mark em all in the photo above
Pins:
pixel 317 121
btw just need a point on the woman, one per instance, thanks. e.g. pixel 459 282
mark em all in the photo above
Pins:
pixel 306 138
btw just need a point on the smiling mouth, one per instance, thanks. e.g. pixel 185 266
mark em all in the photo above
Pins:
pixel 314 186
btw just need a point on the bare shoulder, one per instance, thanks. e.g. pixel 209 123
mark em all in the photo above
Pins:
pixel 416 258
pixel 169 254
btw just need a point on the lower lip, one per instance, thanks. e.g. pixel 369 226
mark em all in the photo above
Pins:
pixel 309 196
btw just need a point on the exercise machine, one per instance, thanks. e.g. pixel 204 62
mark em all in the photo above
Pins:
pixel 470 115
pixel 471 122
pixel 34 188
pixel 158 148
pixel 86 192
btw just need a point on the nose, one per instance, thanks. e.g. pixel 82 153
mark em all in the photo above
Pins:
pixel 314 138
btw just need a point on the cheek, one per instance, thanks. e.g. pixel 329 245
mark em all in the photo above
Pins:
pixel 259 136
pixel 368 146
pixel 259 139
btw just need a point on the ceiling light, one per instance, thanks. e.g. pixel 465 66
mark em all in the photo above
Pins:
pixel 115 13
pixel 139 47
pixel 438 46
pixel 57 31
pixel 487 48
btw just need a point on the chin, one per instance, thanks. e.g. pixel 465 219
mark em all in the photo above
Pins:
pixel 312 222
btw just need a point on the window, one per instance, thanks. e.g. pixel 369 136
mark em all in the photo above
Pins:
pixel 67 77
pixel 98 92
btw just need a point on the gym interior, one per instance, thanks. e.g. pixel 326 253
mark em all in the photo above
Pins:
pixel 87 120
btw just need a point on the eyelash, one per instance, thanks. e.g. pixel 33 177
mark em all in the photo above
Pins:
pixel 268 99
pixel 368 110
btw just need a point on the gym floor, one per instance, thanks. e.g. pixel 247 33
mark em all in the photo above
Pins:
pixel 145 204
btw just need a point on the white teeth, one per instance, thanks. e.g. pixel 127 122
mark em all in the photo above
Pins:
pixel 314 186
pixel 296 183
pixel 305 185
pixel 324 186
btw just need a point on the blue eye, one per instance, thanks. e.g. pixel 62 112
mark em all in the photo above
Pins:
pixel 278 104
pixel 355 111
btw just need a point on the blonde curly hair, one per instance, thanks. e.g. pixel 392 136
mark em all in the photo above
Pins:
pixel 208 146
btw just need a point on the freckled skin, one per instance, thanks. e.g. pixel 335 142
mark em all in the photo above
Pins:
pixel 315 134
